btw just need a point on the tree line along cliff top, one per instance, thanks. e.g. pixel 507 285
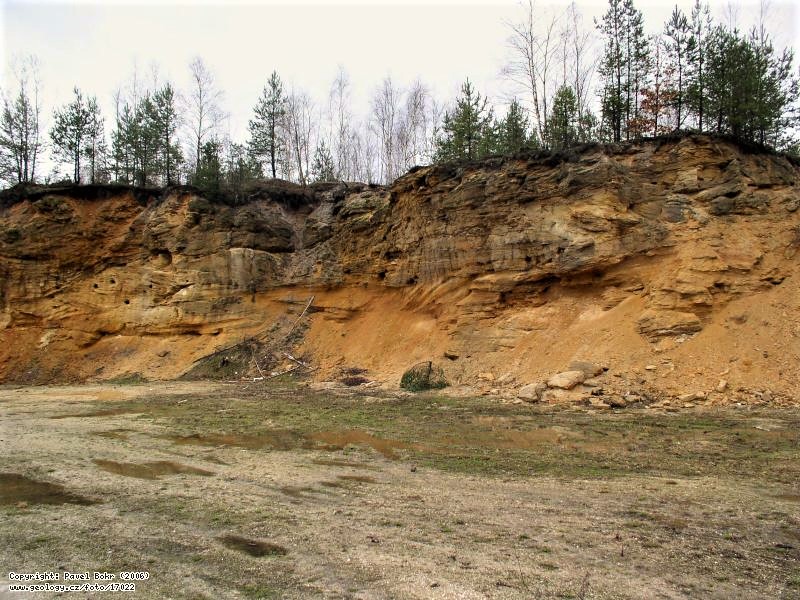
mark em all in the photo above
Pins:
pixel 294 195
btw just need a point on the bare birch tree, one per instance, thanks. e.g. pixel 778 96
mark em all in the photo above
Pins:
pixel 339 119
pixel 205 112
pixel 580 59
pixel 534 55
pixel 384 120
pixel 300 130
pixel 416 126
pixel 20 124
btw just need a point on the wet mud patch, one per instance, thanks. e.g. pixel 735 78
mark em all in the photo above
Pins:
pixel 149 470
pixel 17 489
pixel 257 548
pixel 339 440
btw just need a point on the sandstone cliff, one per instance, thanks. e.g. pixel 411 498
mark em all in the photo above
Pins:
pixel 672 263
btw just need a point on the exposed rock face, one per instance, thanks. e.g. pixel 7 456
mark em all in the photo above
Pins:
pixel 566 380
pixel 654 324
pixel 515 266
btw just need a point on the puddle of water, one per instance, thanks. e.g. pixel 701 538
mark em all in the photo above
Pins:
pixel 16 488
pixel 359 478
pixel 279 439
pixel 107 412
pixel 252 547
pixel 339 440
pixel 149 470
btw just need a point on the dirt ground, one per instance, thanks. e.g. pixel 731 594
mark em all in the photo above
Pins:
pixel 281 491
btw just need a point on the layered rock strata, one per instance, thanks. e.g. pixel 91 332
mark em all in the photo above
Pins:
pixel 516 267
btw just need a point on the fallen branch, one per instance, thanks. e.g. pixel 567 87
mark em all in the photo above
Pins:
pixel 302 314
pixel 292 358
pixel 255 360
pixel 292 370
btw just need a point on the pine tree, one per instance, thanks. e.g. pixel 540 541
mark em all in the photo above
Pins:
pixel 121 145
pixel 20 128
pixel 562 126
pixel 490 142
pixel 588 127
pixel 69 133
pixel 136 143
pixel 266 140
pixel 164 120
pixel 95 144
pixel 323 168
pixel 678 45
pixel 464 127
pixel 751 89
pixel 613 100
pixel 658 97
pixel 209 167
pixel 145 139
pixel 513 130
pixel 696 88
pixel 776 92
pixel 624 67
pixel 241 168
pixel 640 66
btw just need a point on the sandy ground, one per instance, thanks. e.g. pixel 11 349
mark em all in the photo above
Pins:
pixel 232 491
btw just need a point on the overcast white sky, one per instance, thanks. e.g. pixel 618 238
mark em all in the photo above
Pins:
pixel 95 45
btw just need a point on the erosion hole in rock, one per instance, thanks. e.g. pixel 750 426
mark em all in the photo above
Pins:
pixel 127 301
pixel 161 256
